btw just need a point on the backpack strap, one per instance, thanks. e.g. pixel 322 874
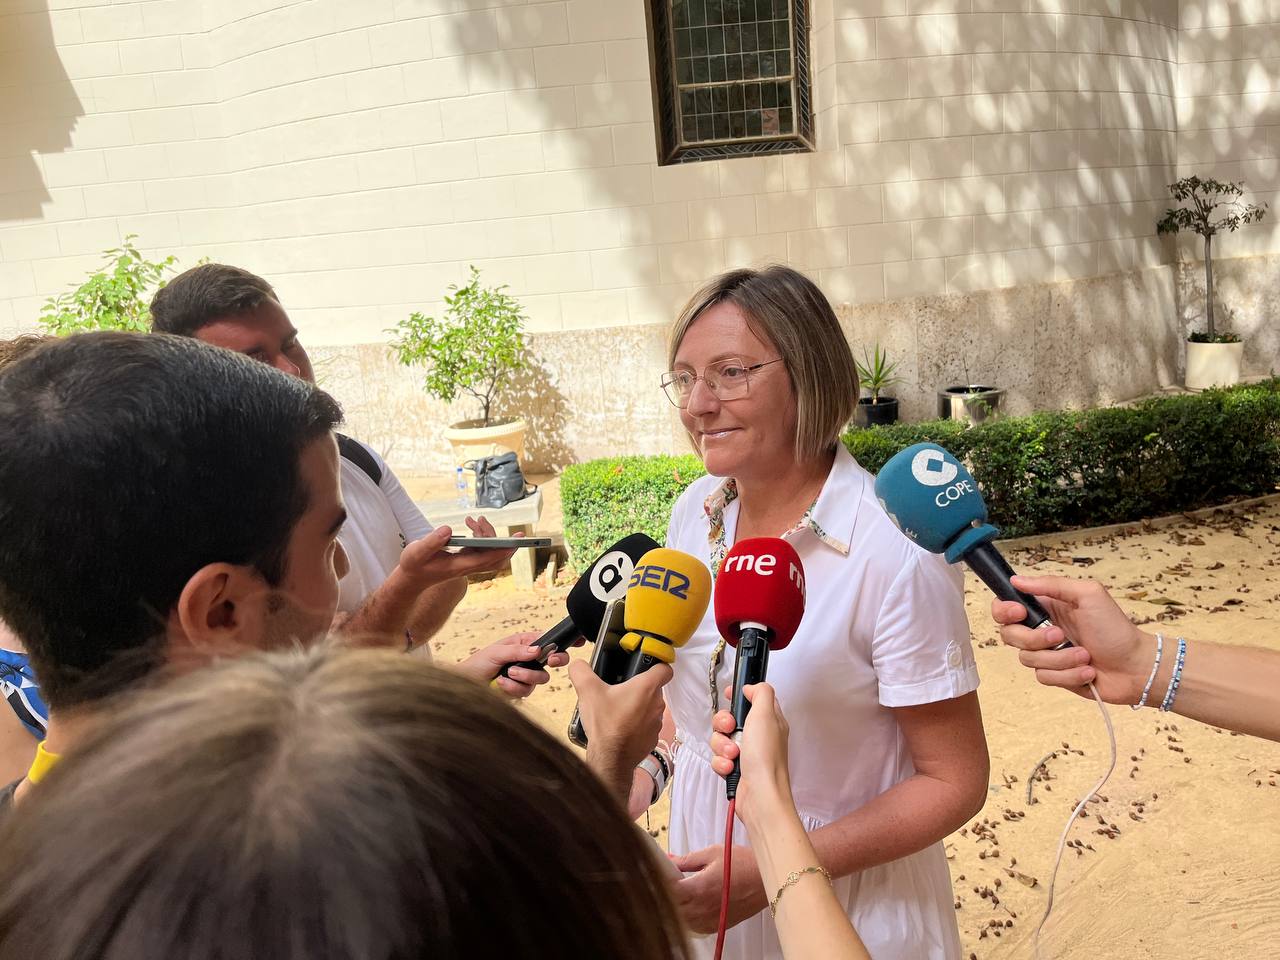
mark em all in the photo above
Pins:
pixel 355 452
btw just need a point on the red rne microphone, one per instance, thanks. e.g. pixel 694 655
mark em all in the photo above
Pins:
pixel 759 602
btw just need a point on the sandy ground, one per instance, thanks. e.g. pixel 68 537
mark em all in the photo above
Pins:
pixel 1180 856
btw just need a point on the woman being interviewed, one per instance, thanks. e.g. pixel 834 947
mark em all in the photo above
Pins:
pixel 888 749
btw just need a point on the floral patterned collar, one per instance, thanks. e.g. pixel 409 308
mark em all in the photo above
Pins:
pixel 837 501
pixel 716 505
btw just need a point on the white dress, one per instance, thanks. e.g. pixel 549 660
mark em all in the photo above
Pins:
pixel 884 626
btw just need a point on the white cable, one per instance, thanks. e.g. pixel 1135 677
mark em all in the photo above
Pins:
pixel 1075 814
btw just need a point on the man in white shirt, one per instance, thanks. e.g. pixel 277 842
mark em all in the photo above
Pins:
pixel 232 308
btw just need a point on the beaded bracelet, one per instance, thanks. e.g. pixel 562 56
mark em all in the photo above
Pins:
pixel 793 878
pixel 1146 691
pixel 1176 680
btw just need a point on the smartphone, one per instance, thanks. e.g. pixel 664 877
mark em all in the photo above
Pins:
pixel 609 661
pixel 498 543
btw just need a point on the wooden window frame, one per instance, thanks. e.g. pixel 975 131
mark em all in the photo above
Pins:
pixel 672 148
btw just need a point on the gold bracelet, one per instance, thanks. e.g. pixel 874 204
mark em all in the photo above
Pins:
pixel 793 878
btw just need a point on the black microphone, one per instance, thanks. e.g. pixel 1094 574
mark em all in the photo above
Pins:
pixel 605 580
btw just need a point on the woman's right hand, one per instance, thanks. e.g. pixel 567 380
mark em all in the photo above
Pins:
pixel 766 782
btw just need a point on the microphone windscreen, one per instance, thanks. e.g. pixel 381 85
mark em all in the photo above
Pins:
pixel 930 495
pixel 667 595
pixel 761 581
pixel 604 581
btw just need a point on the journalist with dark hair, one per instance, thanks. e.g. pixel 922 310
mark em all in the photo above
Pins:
pixel 164 503
pixel 233 308
pixel 126 538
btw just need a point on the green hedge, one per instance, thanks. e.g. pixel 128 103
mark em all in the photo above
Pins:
pixel 604 500
pixel 1039 473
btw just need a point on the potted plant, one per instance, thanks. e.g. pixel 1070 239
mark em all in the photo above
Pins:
pixel 1213 357
pixel 116 297
pixel 876 375
pixel 972 402
pixel 472 349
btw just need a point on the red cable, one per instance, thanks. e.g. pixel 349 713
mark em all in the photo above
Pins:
pixel 728 873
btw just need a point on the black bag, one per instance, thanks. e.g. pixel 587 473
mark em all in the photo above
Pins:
pixel 499 481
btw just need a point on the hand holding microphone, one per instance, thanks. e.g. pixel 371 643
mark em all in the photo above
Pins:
pixel 1112 653
pixel 495 664
pixel 765 787
pixel 759 602
pixel 624 721
pixel 665 600
pixel 605 580
pixel 935 501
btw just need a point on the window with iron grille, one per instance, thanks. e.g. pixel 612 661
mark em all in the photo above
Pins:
pixel 731 78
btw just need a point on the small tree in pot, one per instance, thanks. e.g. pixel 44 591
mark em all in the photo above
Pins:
pixel 115 297
pixel 1213 358
pixel 472 349
pixel 876 374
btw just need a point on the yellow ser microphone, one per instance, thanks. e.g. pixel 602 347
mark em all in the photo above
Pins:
pixel 667 597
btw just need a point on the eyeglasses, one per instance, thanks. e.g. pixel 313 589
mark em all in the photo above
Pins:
pixel 726 379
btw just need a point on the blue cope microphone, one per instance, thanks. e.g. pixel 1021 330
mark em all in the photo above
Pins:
pixel 935 501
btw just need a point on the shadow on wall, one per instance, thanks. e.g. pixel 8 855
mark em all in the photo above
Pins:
pixel 1068 190
pixel 1071 344
pixel 1246 303
pixel 532 393
pixel 590 157
pixel 38 110
pixel 1083 207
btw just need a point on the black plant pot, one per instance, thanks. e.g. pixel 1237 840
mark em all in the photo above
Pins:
pixel 879 414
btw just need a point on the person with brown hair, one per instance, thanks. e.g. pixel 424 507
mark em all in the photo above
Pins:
pixel 232 308
pixel 304 805
pixel 19 347
pixel 880 678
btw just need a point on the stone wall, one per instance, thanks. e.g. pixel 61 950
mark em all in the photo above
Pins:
pixel 585 394
pixel 1076 343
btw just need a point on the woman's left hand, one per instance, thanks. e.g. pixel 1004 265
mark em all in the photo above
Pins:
pixel 698 894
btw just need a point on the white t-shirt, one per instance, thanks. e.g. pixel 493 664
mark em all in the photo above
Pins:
pixel 381 520
pixel 884 626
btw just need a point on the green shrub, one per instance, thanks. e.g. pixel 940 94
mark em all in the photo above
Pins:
pixel 116 297
pixel 604 500
pixel 1038 474
pixel 472 349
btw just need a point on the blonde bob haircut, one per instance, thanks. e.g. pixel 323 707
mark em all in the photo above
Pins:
pixel 785 308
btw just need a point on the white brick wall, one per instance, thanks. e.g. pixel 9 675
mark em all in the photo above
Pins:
pixel 362 155
pixel 1228 109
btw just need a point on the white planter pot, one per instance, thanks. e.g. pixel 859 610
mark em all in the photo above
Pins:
pixel 471 441
pixel 1213 364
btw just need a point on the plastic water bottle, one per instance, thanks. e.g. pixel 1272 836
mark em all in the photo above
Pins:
pixel 460 481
